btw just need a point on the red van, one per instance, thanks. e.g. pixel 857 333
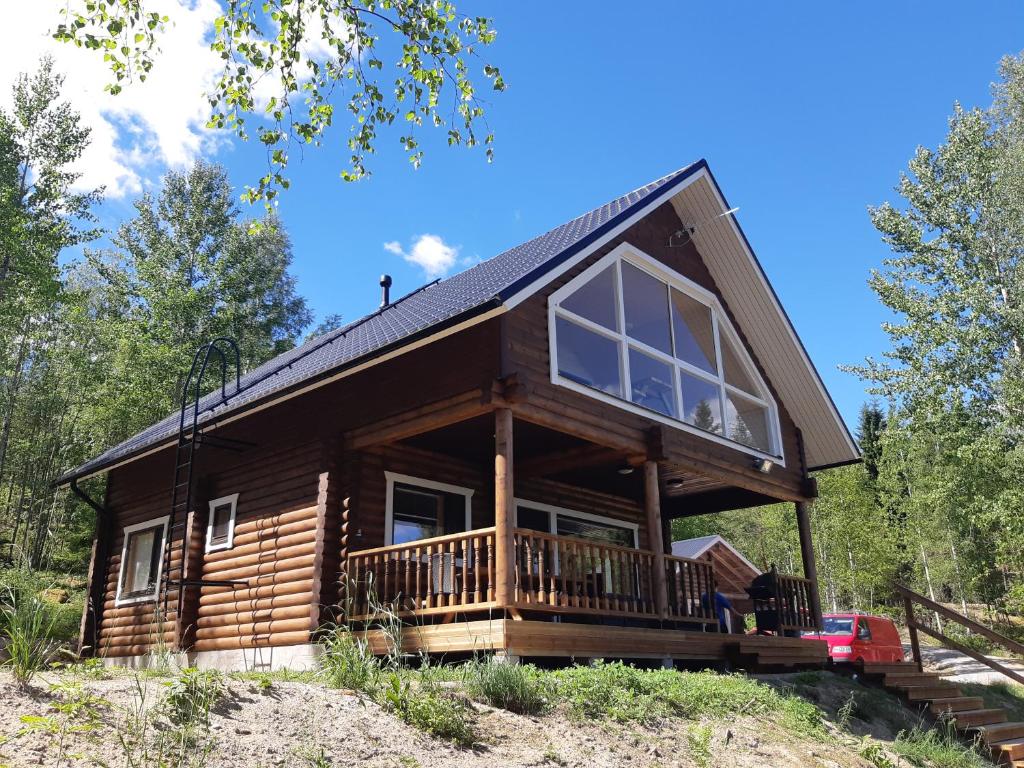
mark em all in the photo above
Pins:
pixel 857 637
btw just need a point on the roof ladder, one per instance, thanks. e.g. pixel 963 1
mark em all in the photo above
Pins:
pixel 190 438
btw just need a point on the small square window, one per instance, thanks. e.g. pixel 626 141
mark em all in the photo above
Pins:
pixel 220 528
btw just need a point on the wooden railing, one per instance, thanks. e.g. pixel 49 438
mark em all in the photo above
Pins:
pixel 456 574
pixel 581 576
pixel 691 587
pixel 910 597
pixel 794 600
pixel 446 574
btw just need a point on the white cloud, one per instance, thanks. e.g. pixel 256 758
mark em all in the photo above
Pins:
pixel 149 126
pixel 428 252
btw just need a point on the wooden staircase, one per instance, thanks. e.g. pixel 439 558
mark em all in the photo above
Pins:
pixel 942 698
pixel 770 653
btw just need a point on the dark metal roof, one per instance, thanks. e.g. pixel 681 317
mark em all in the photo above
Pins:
pixel 424 311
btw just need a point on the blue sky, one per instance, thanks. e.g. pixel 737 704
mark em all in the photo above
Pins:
pixel 806 112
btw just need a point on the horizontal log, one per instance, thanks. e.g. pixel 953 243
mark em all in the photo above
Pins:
pixel 227 596
pixel 253 616
pixel 257 554
pixel 254 628
pixel 273 639
pixel 287 570
pixel 270 534
pixel 277 520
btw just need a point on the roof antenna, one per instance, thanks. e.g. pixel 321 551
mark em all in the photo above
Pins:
pixel 385 290
pixel 688 230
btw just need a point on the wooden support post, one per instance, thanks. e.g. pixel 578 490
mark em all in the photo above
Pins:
pixel 803 522
pixel 915 644
pixel 652 506
pixel 504 509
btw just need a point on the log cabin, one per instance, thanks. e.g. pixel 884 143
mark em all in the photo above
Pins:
pixel 496 457
pixel 734 573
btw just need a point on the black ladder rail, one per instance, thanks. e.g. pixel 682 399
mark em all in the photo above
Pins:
pixel 190 438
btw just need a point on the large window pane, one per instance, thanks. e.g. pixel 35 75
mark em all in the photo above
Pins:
pixel 142 562
pixel 422 513
pixel 594 531
pixel 747 422
pixel 645 305
pixel 587 357
pixel 701 403
pixel 735 372
pixel 694 336
pixel 651 382
pixel 595 300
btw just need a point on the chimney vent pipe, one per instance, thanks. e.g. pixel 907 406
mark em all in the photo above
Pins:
pixel 385 290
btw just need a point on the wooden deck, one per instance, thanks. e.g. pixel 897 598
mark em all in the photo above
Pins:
pixel 584 641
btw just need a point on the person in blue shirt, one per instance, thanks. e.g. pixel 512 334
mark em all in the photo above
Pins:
pixel 723 609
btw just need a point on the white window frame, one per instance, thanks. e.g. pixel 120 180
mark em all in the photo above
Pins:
pixel 233 501
pixel 430 485
pixel 554 512
pixel 128 531
pixel 721 325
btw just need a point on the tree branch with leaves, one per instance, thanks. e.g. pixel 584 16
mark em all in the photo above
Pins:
pixel 290 65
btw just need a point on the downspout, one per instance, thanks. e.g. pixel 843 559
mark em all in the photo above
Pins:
pixel 89 628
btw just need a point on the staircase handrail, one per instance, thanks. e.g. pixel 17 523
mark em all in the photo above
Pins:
pixel 913 626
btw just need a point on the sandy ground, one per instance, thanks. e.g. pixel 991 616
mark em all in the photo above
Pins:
pixel 961 668
pixel 286 724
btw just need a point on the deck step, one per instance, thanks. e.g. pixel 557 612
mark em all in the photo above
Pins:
pixel 956 704
pixel 1010 749
pixel 893 679
pixel 930 692
pixel 895 668
pixel 999 732
pixel 972 718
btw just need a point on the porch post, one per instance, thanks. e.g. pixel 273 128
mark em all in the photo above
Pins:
pixel 803 522
pixel 504 528
pixel 652 506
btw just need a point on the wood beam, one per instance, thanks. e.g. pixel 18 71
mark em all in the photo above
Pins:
pixel 652 507
pixel 419 420
pixel 719 500
pixel 563 461
pixel 504 510
pixel 803 522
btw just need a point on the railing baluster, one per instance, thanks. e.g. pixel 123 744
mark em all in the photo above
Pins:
pixel 490 566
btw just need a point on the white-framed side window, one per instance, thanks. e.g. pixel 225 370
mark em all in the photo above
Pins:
pixel 142 561
pixel 220 525
pixel 632 332
pixel 560 521
pixel 416 508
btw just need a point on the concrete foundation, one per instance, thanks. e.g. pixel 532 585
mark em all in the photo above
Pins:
pixel 269 659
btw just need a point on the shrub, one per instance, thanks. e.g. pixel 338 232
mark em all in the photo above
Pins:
pixel 27 625
pixel 518 688
pixel 348 662
pixel 429 710
pixel 192 695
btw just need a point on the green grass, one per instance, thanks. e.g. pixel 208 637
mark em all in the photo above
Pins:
pixel 519 688
pixel 627 694
pixel 937 748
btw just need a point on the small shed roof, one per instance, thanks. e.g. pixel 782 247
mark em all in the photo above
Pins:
pixel 732 570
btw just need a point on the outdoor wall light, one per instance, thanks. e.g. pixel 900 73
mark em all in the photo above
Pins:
pixel 764 466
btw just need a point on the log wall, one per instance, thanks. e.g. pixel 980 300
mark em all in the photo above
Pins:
pixel 291 485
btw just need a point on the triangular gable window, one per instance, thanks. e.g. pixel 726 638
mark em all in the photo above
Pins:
pixel 631 331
